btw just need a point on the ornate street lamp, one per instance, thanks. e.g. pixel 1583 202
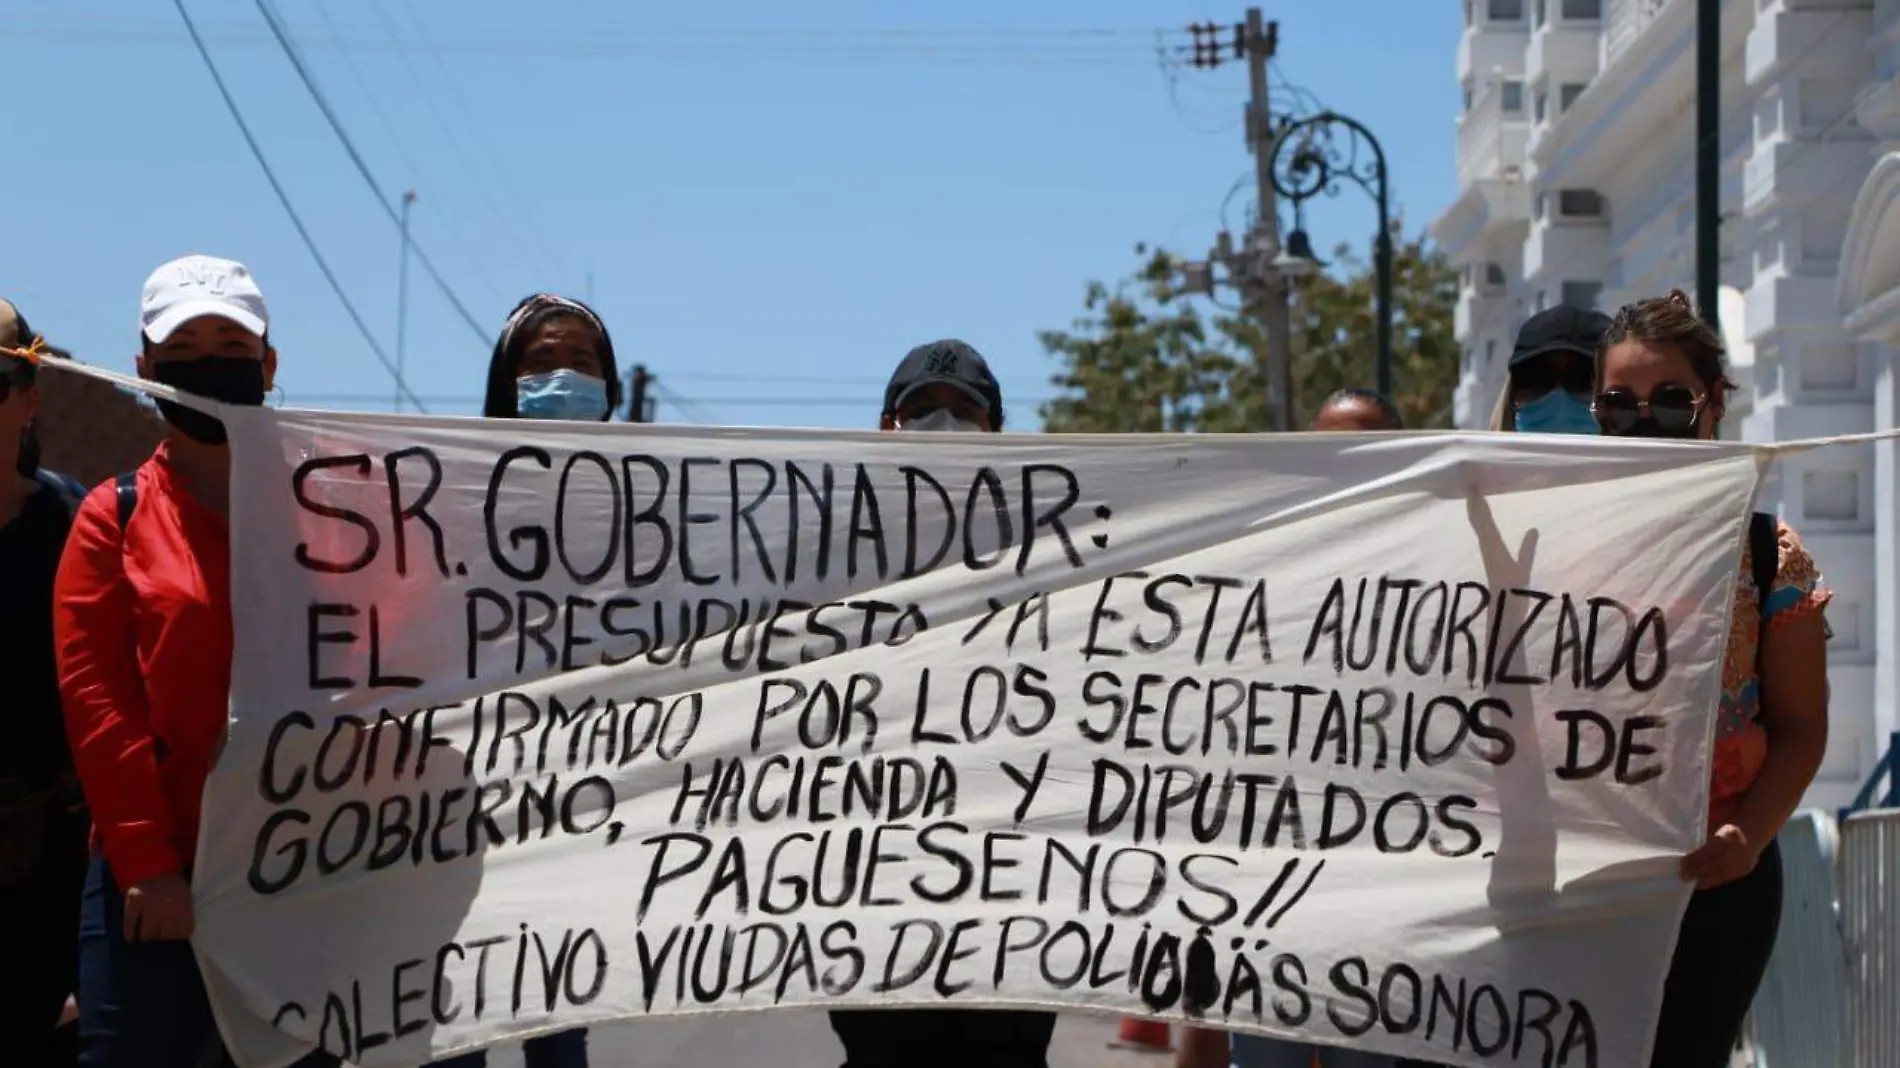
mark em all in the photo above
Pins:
pixel 1297 260
pixel 1312 156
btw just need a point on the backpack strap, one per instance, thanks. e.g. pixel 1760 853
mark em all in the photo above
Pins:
pixel 128 492
pixel 70 492
pixel 1764 557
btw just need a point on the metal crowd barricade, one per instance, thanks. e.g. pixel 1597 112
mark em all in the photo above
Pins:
pixel 1798 1015
pixel 1872 793
pixel 1870 928
pixel 1831 996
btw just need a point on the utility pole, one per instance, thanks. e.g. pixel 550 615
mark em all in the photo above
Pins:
pixel 1266 289
pixel 402 298
pixel 1708 158
pixel 639 408
pixel 1262 267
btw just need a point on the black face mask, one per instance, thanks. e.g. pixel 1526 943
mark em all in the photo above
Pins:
pixel 231 379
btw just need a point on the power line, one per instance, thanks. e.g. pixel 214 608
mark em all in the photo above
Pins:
pixel 877 381
pixel 693 408
pixel 775 401
pixel 1169 63
pixel 362 168
pixel 1306 97
pixel 399 143
pixel 537 251
pixel 661 44
pixel 722 34
pixel 1227 202
pixel 873 385
pixel 296 220
pixel 689 408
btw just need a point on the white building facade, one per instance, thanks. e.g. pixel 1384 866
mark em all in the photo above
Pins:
pixel 1576 165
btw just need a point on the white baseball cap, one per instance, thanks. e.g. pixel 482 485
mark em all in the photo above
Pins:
pixel 187 288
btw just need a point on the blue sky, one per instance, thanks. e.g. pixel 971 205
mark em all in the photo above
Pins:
pixel 769 202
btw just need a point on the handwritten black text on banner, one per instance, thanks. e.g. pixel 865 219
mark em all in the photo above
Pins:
pixel 1350 741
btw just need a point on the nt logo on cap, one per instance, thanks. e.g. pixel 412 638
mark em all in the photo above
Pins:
pixel 201 285
pixel 210 276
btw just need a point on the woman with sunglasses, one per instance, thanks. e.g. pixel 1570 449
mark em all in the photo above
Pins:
pixel 1661 376
pixel 1552 368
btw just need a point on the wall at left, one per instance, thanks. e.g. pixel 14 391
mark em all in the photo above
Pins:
pixel 91 430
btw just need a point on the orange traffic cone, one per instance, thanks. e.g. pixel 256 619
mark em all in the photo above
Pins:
pixel 1137 1033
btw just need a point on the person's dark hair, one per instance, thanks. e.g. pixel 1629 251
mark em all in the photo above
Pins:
pixel 529 316
pixel 23 334
pixel 1671 322
pixel 1379 401
pixel 24 338
pixel 28 461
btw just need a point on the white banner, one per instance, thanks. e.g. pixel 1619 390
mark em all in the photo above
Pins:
pixel 1387 741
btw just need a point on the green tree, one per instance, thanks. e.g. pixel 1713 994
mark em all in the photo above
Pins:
pixel 1143 357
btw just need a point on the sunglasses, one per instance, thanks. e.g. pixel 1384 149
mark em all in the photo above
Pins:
pixel 1540 377
pixel 1673 409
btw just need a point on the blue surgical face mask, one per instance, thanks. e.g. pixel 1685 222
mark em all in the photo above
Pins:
pixel 561 394
pixel 1556 412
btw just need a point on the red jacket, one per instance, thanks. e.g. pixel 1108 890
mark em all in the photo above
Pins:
pixel 142 626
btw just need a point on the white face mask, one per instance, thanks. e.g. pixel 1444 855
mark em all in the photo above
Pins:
pixel 943 420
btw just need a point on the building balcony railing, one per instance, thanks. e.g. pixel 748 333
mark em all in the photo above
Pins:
pixel 1624 21
pixel 1562 52
pixel 1492 143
